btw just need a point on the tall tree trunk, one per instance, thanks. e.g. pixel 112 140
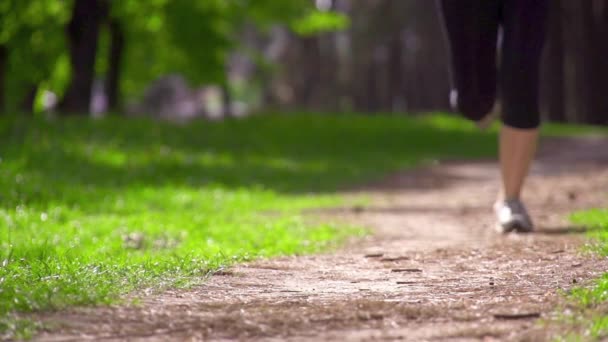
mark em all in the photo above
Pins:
pixel 395 67
pixel 434 62
pixel 554 65
pixel 328 91
pixel 83 34
pixel 28 101
pixel 601 53
pixel 112 85
pixel 596 21
pixel 308 72
pixel 372 97
pixel 575 62
pixel 591 63
pixel 227 100
pixel 3 69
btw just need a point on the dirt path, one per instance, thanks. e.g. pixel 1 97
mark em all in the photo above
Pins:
pixel 434 269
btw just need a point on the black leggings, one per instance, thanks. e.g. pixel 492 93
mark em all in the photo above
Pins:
pixel 472 30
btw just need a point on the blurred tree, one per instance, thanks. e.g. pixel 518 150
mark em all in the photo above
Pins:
pixel 134 32
pixel 369 55
pixel 196 38
pixel 595 19
pixel 585 28
pixel 31 35
pixel 83 34
pixel 552 88
pixel 115 60
pixel 3 63
pixel 392 58
pixel 139 40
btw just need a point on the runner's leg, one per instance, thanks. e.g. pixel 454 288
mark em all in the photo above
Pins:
pixel 524 26
pixel 472 28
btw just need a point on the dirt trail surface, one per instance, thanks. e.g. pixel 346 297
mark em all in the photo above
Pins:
pixel 433 270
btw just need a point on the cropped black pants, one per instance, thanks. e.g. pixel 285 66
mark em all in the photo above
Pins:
pixel 472 30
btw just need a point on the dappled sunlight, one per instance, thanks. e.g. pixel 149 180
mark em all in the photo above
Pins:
pixel 284 154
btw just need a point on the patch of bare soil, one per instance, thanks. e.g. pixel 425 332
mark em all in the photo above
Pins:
pixel 433 270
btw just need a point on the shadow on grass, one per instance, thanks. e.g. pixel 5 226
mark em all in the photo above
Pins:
pixel 72 159
pixel 403 210
pixel 563 230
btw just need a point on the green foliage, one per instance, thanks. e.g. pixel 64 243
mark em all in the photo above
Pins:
pixel 194 41
pixel 318 22
pixel 268 12
pixel 33 32
pixel 193 38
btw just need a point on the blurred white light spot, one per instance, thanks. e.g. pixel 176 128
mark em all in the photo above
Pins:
pixel 454 98
pixel 44 217
pixel 323 5
pixel 49 100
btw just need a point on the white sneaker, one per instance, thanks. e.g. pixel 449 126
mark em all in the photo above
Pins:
pixel 512 216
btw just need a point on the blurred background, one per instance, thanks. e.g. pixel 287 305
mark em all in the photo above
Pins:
pixel 182 59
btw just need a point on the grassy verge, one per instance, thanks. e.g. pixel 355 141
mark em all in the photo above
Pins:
pixel 587 318
pixel 91 210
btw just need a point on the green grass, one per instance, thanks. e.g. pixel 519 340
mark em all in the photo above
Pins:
pixel 92 210
pixel 589 319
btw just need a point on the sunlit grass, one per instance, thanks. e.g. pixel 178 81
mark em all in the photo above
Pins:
pixel 91 210
pixel 590 317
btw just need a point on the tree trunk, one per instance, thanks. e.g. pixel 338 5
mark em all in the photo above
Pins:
pixel 434 61
pixel 227 100
pixel 28 101
pixel 307 73
pixel 395 67
pixel 3 69
pixel 83 34
pixel 112 85
pixel 595 19
pixel 575 62
pixel 601 53
pixel 554 66
pixel 591 66
pixel 372 96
